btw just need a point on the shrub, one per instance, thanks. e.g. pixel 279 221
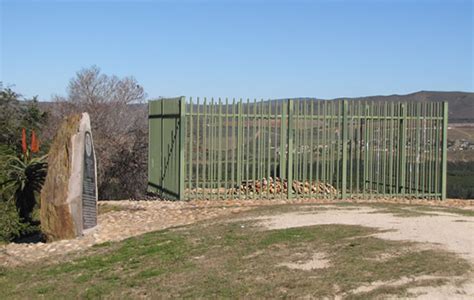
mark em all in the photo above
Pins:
pixel 11 226
pixel 461 179
pixel 24 178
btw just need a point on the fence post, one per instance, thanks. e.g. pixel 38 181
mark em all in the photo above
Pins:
pixel 182 132
pixel 402 148
pixel 289 136
pixel 444 162
pixel 344 150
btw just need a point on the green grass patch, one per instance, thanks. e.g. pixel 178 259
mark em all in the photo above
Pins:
pixel 451 210
pixel 400 211
pixel 403 210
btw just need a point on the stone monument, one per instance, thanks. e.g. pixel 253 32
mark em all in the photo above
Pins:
pixel 69 194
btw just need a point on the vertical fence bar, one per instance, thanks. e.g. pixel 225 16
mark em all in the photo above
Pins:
pixel 239 147
pixel 190 142
pixel 331 136
pixel 232 174
pixel 436 148
pixel 198 145
pixel 275 147
pixel 391 148
pixel 416 153
pixel 305 144
pixel 324 143
pixel 182 132
pixel 283 145
pixel 411 140
pixel 318 141
pixel 162 150
pixel 359 146
pixel 434 125
pixel 430 149
pixel 402 149
pixel 226 158
pixel 268 145
pixel 211 148
pixel 444 159
pixel 247 143
pixel 424 109
pixel 370 156
pixel 373 149
pixel 384 148
pixel 337 138
pixel 254 148
pixel 219 148
pixel 261 144
pixel 366 148
pixel 296 140
pixel 350 150
pixel 377 142
pixel 344 149
pixel 437 160
pixel 338 143
pixel 289 135
pixel 311 149
pixel 204 148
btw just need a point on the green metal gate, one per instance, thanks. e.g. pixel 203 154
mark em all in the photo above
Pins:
pixel 166 148
pixel 225 149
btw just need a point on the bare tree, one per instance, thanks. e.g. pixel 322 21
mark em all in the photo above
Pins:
pixel 119 125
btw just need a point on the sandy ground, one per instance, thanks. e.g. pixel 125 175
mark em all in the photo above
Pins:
pixel 450 232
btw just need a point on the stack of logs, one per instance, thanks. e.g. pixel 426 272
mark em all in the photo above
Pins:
pixel 277 186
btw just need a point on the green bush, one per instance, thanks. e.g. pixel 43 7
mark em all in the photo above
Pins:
pixel 11 226
pixel 24 178
pixel 461 180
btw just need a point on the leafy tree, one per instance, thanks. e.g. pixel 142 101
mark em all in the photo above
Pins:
pixel 17 113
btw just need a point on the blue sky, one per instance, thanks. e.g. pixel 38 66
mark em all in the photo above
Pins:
pixel 269 49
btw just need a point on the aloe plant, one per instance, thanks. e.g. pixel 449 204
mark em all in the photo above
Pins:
pixel 25 176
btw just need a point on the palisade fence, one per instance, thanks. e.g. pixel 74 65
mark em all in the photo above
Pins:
pixel 228 149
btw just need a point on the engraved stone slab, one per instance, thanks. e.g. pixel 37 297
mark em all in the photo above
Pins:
pixel 69 194
pixel 89 190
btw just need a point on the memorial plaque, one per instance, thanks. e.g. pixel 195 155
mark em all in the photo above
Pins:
pixel 89 193
pixel 69 194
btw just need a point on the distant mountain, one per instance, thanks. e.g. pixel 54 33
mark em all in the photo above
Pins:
pixel 461 104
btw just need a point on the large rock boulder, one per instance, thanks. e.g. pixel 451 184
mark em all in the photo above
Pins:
pixel 69 194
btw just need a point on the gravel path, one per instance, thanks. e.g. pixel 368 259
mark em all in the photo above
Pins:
pixel 130 218
pixel 452 232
